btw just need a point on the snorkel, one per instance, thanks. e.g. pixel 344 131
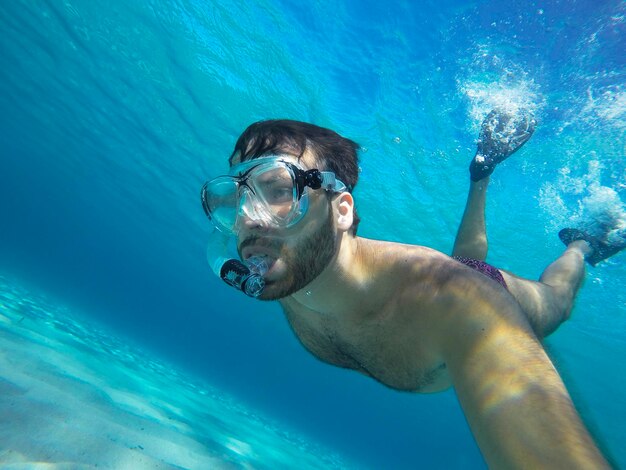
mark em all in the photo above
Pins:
pixel 246 276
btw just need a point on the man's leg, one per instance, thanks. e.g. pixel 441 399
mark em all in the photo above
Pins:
pixel 549 302
pixel 502 133
pixel 471 238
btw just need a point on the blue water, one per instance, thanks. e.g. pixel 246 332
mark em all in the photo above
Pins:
pixel 112 116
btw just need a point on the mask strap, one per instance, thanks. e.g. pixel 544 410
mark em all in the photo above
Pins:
pixel 331 183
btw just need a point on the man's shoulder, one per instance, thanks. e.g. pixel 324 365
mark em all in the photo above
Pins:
pixel 410 261
pixel 421 274
pixel 418 275
pixel 391 251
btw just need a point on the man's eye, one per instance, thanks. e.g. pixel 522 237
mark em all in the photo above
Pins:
pixel 280 193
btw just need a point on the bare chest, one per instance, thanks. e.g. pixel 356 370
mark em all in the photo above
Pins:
pixel 390 350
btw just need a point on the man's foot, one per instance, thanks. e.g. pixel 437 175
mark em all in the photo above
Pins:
pixel 600 249
pixel 501 135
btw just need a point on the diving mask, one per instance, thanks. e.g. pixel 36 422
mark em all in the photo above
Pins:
pixel 269 190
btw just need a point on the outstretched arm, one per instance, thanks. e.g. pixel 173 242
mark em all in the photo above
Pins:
pixel 515 402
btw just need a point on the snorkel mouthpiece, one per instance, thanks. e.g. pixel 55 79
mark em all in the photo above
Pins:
pixel 247 277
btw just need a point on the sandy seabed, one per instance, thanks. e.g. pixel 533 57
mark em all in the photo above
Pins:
pixel 73 396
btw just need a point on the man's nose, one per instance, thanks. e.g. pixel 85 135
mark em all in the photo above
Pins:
pixel 248 223
pixel 250 216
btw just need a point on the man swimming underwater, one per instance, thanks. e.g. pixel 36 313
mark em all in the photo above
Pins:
pixel 408 316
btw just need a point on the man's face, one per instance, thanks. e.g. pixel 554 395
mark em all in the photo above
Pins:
pixel 296 255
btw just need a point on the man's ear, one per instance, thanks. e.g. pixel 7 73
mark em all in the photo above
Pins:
pixel 345 211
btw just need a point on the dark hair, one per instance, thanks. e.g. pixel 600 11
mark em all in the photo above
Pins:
pixel 333 152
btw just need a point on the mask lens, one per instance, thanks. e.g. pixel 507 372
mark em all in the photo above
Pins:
pixel 221 200
pixel 275 188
